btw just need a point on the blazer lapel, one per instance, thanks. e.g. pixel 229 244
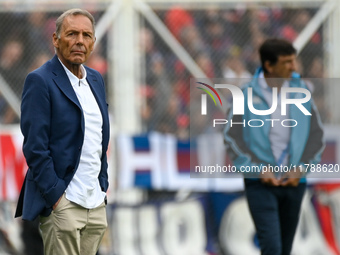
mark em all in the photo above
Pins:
pixel 95 87
pixel 62 81
pixel 99 94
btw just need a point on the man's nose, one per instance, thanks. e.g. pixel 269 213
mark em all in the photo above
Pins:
pixel 80 39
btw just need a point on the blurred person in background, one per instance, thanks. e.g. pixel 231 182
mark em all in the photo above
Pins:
pixel 98 62
pixel 13 73
pixel 318 85
pixel 234 69
pixel 161 85
pixel 149 52
pixel 216 36
pixel 39 60
pixel 204 61
pixel 168 121
pixel 65 123
pixel 295 23
pixel 36 25
pixel 274 199
pixel 192 41
pixel 176 19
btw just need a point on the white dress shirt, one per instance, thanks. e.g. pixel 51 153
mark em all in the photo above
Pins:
pixel 84 189
pixel 279 135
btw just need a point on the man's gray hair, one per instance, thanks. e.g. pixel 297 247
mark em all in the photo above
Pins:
pixel 72 12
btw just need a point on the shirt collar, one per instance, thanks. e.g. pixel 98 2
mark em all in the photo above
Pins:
pixel 74 79
pixel 263 84
pixel 262 81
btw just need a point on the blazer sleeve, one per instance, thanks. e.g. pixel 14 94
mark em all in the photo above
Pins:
pixel 237 149
pixel 35 126
pixel 103 175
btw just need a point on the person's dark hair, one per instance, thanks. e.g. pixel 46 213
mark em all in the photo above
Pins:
pixel 272 48
pixel 73 12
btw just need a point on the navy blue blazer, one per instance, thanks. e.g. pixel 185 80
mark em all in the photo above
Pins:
pixel 52 123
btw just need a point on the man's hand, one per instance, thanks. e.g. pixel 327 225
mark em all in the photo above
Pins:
pixel 290 179
pixel 56 204
pixel 268 178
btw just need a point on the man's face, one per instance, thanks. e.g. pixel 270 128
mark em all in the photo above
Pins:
pixel 283 68
pixel 76 40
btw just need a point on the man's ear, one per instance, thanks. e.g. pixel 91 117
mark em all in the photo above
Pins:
pixel 55 40
pixel 268 66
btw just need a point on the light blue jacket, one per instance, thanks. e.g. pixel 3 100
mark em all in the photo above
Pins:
pixel 251 145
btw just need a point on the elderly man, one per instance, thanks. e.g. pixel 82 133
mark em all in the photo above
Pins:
pixel 65 125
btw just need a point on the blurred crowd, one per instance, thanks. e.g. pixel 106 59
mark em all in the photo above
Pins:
pixel 223 43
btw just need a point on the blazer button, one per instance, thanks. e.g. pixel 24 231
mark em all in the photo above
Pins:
pixel 79 148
